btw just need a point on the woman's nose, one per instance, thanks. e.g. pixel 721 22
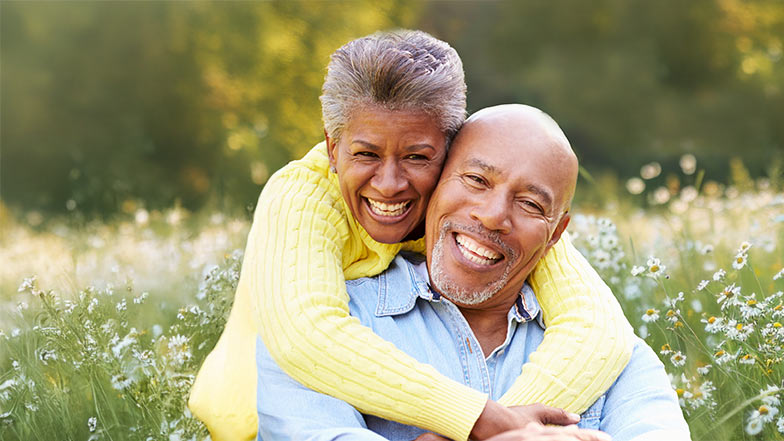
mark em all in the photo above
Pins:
pixel 389 179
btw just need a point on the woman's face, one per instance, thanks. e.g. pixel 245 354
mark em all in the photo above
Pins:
pixel 388 164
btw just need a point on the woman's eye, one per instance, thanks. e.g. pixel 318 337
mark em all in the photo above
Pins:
pixel 366 154
pixel 416 157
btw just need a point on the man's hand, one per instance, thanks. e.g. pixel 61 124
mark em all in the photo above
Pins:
pixel 496 419
pixel 537 432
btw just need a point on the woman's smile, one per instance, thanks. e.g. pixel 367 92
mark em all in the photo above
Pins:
pixel 388 163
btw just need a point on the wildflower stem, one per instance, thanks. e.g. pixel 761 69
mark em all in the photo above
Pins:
pixel 742 405
pixel 754 273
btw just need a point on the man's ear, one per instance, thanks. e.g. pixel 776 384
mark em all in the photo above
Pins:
pixel 559 229
pixel 331 144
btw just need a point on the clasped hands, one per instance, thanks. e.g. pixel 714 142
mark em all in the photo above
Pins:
pixel 533 422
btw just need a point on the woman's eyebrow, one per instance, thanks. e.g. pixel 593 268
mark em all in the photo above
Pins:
pixel 418 147
pixel 367 145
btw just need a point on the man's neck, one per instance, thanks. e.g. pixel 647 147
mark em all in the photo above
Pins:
pixel 489 326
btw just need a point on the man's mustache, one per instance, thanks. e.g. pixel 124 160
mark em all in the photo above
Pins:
pixel 481 232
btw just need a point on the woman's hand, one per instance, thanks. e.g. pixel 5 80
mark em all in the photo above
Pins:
pixel 537 432
pixel 497 419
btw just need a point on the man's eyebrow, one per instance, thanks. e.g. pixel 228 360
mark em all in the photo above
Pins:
pixel 533 188
pixel 544 194
pixel 475 162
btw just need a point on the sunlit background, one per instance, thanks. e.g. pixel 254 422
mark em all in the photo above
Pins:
pixel 112 106
pixel 135 137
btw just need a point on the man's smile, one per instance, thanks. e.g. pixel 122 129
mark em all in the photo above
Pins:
pixel 476 252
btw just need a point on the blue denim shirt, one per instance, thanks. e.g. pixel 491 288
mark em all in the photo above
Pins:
pixel 400 307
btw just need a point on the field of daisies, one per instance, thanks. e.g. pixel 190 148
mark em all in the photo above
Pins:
pixel 103 325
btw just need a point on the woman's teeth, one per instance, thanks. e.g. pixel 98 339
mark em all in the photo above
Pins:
pixel 475 252
pixel 383 209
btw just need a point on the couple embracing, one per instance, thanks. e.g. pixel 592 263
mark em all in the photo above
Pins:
pixel 410 277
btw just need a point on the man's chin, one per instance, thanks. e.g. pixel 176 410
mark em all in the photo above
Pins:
pixel 457 292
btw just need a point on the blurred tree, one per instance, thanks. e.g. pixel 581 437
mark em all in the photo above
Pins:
pixel 109 105
pixel 632 80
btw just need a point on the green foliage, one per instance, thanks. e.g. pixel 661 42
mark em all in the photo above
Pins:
pixel 87 368
pixel 687 271
pixel 107 104
pixel 632 81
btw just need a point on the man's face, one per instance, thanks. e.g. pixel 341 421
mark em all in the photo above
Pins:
pixel 499 205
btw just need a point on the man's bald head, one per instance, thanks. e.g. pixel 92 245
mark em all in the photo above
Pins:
pixel 531 131
pixel 501 203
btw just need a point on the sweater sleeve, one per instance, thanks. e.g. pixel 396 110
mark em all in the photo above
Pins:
pixel 294 270
pixel 587 342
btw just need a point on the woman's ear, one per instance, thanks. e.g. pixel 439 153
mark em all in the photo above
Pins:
pixel 331 144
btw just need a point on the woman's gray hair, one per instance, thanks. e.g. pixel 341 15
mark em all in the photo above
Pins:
pixel 397 70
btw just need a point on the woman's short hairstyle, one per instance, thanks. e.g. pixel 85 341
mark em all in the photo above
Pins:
pixel 397 70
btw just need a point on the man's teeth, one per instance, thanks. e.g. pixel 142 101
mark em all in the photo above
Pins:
pixel 384 209
pixel 478 254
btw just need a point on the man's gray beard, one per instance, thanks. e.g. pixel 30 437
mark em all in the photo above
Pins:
pixel 444 284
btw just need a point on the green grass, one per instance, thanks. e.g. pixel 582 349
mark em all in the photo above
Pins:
pixel 105 341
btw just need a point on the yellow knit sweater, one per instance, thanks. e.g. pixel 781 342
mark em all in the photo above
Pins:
pixel 304 244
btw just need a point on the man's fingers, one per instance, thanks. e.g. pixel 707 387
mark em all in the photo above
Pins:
pixel 535 432
pixel 573 433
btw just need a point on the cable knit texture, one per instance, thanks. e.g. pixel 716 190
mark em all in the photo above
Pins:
pixel 304 243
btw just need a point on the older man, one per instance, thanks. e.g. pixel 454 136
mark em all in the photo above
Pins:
pixel 501 204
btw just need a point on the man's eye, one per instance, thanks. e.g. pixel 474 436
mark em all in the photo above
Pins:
pixel 366 154
pixel 417 157
pixel 531 206
pixel 475 179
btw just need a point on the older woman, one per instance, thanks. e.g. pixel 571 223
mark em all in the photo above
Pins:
pixel 391 103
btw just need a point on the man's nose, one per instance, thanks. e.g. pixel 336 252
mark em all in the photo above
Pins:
pixel 389 179
pixel 492 210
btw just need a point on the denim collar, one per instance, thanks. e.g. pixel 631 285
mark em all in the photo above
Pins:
pixel 401 284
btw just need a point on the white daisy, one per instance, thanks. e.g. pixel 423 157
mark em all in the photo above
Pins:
pixel 650 315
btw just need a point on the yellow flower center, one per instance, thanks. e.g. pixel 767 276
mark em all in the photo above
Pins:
pixel 739 326
pixel 650 312
pixel 654 268
pixel 777 325
pixel 747 356
pixel 763 410
pixel 666 347
pixel 751 302
pixel 679 391
pixel 720 353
